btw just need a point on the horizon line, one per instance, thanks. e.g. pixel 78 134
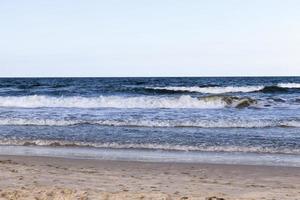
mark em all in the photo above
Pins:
pixel 184 76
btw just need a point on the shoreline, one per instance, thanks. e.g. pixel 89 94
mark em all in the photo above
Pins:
pixel 27 177
pixel 155 156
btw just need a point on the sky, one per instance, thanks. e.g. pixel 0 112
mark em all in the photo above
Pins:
pixel 49 38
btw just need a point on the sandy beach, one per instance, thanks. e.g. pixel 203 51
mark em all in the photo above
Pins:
pixel 24 177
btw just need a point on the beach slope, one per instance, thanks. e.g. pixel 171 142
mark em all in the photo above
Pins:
pixel 60 178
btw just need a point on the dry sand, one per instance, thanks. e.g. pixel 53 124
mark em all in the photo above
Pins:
pixel 63 179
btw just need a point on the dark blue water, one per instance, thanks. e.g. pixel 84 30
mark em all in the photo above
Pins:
pixel 234 115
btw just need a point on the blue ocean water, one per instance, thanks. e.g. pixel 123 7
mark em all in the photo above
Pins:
pixel 223 116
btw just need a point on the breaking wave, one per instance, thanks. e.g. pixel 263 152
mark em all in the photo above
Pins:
pixel 220 123
pixel 149 146
pixel 281 87
pixel 211 90
pixel 273 89
pixel 184 101
pixel 289 85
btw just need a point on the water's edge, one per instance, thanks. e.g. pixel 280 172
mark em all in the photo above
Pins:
pixel 238 158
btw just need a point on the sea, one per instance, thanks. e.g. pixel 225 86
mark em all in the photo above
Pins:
pixel 227 120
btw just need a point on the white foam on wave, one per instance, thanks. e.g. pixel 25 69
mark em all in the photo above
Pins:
pixel 292 123
pixel 36 101
pixel 154 123
pixel 38 122
pixel 200 123
pixel 289 85
pixel 212 90
pixel 149 146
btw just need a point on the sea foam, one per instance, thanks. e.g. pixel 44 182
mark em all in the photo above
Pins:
pixel 149 146
pixel 159 123
pixel 289 85
pixel 35 101
pixel 212 90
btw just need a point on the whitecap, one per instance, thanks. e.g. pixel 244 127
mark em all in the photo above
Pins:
pixel 289 85
pixel 212 90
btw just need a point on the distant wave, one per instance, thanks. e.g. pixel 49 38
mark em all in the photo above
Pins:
pixel 219 123
pixel 289 85
pixel 273 89
pixel 184 101
pixel 211 90
pixel 149 146
pixel 281 87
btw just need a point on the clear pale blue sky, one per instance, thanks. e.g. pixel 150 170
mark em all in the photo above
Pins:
pixel 149 37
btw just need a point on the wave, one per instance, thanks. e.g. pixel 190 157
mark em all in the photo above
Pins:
pixel 149 146
pixel 184 101
pixel 281 87
pixel 210 90
pixel 39 122
pixel 289 85
pixel 273 89
pixel 149 90
pixel 233 123
pixel 232 101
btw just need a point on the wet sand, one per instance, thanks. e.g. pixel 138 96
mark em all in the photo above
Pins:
pixel 48 178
